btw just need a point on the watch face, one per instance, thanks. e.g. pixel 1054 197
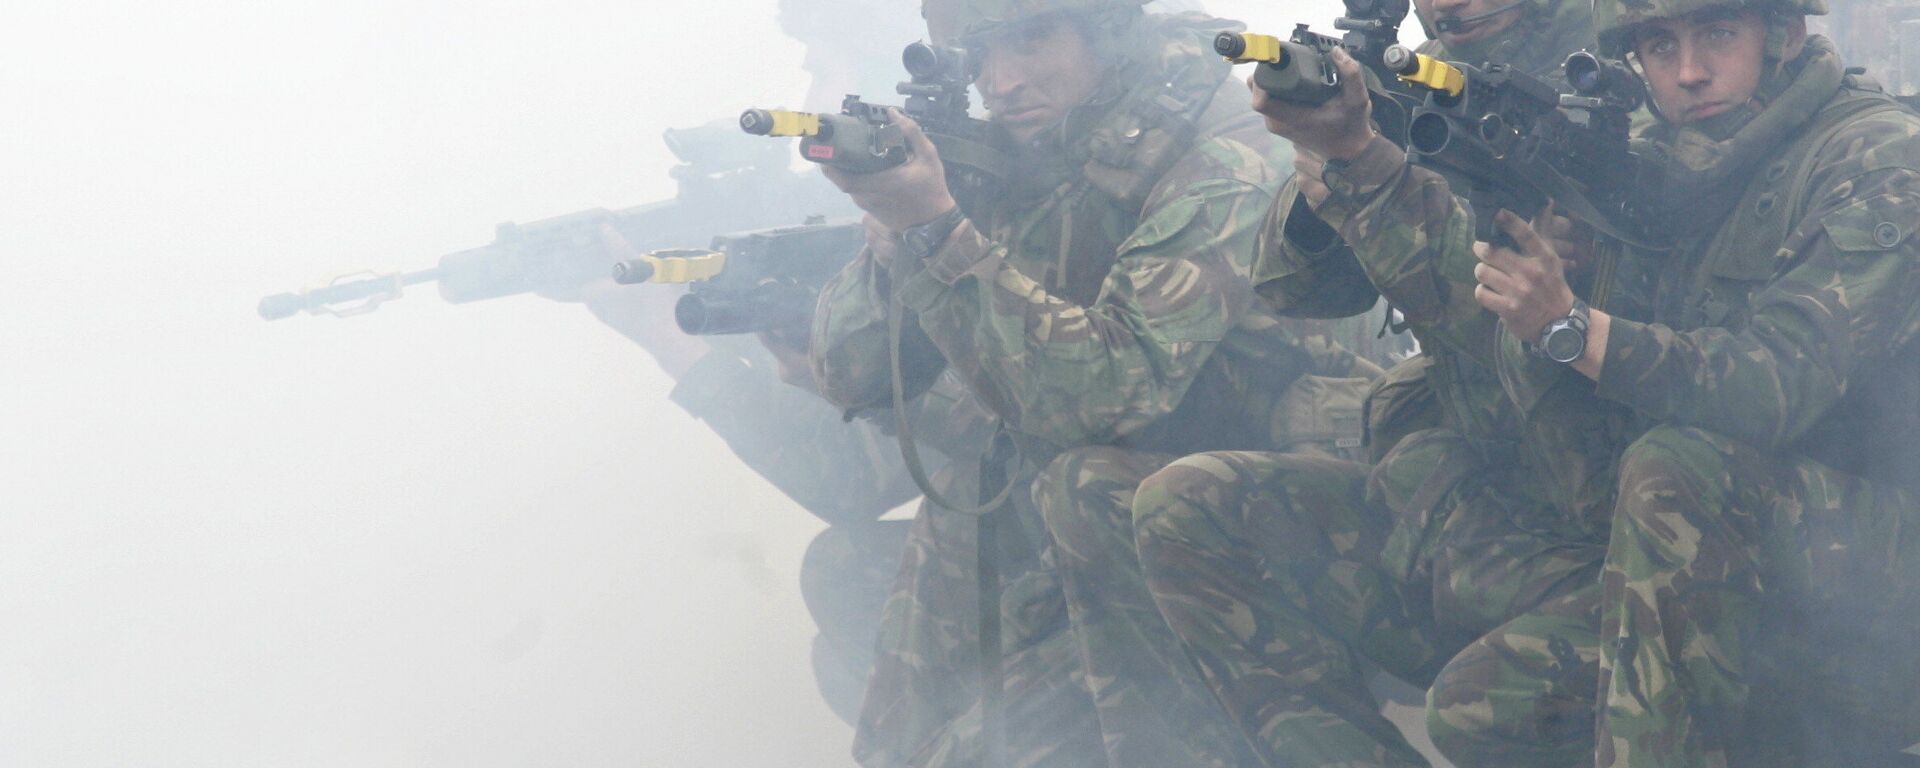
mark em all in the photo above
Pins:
pixel 1564 344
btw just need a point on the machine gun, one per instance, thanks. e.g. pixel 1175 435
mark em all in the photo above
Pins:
pixel 1518 141
pixel 1297 69
pixel 727 182
pixel 863 137
pixel 749 282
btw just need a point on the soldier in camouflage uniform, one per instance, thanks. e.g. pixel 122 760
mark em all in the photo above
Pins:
pixel 1466 560
pixel 1760 585
pixel 1101 300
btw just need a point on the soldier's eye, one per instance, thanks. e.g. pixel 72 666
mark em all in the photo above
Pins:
pixel 1660 47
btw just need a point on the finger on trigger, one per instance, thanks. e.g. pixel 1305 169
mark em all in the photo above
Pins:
pixel 1352 79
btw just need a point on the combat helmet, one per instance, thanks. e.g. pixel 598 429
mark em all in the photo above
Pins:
pixel 954 22
pixel 1614 20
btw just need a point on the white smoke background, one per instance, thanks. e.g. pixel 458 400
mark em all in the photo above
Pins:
pixel 438 535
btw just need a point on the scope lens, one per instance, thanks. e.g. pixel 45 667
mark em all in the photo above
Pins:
pixel 1583 73
pixel 920 59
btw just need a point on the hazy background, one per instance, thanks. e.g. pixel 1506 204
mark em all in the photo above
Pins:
pixel 438 535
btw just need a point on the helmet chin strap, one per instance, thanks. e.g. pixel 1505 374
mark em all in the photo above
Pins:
pixel 1453 24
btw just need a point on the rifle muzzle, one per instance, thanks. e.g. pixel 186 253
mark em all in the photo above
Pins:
pixel 281 305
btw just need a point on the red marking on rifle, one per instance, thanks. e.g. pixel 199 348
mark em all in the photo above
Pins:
pixel 820 152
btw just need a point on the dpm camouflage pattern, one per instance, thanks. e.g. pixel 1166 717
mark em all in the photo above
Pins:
pixel 1783 367
pixel 1760 610
pixel 1289 582
pixel 1153 709
pixel 1615 19
pixel 1484 536
pixel 952 22
pixel 1080 308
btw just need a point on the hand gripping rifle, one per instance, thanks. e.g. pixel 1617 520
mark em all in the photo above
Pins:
pixel 863 138
pixel 1297 68
pixel 1518 141
pixel 749 282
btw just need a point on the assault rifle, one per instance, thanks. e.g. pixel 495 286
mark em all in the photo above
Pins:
pixel 863 137
pixel 727 183
pixel 1517 141
pixel 750 282
pixel 1297 69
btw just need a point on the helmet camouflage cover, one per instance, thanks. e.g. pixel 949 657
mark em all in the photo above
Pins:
pixel 1614 19
pixel 950 21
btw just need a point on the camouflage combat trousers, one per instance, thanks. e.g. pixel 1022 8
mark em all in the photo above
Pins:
pixel 1754 604
pixel 1289 582
pixel 1153 709
pixel 845 578
pixel 922 706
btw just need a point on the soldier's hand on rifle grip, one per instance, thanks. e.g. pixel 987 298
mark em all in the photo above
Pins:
pixel 899 198
pixel 1571 239
pixel 1526 288
pixel 1338 129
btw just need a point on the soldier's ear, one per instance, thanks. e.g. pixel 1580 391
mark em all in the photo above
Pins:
pixel 1795 28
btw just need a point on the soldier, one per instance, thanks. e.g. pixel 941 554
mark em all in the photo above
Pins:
pixel 1100 300
pixel 1758 583
pixel 1466 560
pixel 757 395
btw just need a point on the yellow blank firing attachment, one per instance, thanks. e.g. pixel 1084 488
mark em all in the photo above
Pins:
pixel 1426 71
pixel 1243 48
pixel 675 265
pixel 779 122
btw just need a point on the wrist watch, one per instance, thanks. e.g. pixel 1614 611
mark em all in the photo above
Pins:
pixel 922 240
pixel 1565 340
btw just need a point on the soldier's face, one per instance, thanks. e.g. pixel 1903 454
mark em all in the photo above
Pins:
pixel 1435 11
pixel 1031 75
pixel 1705 64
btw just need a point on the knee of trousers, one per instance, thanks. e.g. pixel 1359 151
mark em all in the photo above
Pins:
pixel 1482 711
pixel 1418 460
pixel 1666 467
pixel 1188 499
pixel 1067 490
pixel 1459 721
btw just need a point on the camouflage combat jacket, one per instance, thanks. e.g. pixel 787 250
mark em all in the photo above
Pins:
pixel 1104 299
pixel 1790 325
pixel 1398 231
